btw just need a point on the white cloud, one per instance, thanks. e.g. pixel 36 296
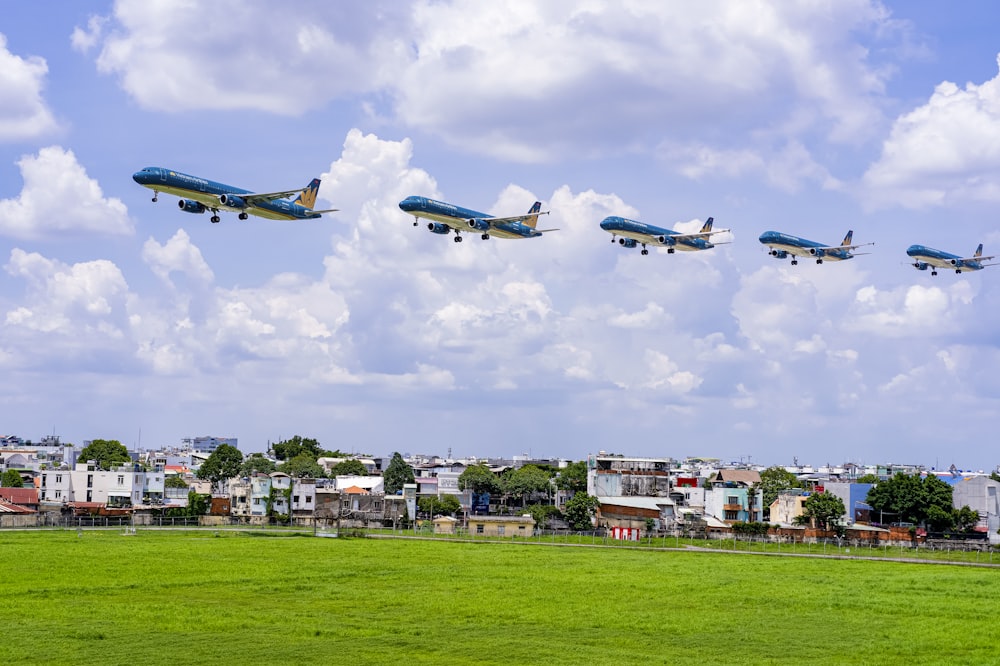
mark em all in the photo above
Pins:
pixel 84 39
pixel 23 112
pixel 59 196
pixel 235 54
pixel 943 152
pixel 913 311
pixel 176 255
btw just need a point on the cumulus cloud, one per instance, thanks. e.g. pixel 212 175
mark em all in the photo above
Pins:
pixel 178 254
pixel 23 112
pixel 913 311
pixel 260 55
pixel 59 196
pixel 943 152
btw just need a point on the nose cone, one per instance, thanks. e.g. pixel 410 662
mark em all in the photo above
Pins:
pixel 410 204
pixel 766 236
pixel 143 177
pixel 611 223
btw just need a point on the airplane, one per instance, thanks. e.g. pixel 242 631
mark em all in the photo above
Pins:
pixel 198 195
pixel 929 257
pixel 633 233
pixel 445 218
pixel 783 245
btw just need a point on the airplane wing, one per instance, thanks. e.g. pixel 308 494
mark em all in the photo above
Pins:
pixel 700 234
pixel 254 198
pixel 844 247
pixel 516 218
pixel 977 259
pixel 544 230
pixel 328 210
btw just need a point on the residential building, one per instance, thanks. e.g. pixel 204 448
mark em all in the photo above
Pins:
pixel 504 526
pixel 620 476
pixel 981 494
pixel 633 512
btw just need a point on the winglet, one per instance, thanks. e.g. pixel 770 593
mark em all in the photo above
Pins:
pixel 307 197
pixel 532 218
pixel 708 225
pixel 848 237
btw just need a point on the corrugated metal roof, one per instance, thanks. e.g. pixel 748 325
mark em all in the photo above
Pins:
pixel 651 503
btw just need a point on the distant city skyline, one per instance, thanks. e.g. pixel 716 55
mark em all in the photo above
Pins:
pixel 120 316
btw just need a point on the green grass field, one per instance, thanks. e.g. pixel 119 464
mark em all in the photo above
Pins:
pixel 192 597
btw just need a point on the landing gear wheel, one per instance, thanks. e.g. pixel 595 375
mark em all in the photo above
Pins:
pixel 415 223
pixel 485 236
pixel 670 250
pixel 933 272
pixel 645 252
pixel 819 261
pixel 215 219
pixel 795 262
pixel 154 197
pixel 458 239
pixel 243 216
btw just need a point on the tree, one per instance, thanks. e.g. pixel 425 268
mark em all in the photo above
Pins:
pixel 825 508
pixel 995 475
pixel 542 513
pixel 479 479
pixel 223 464
pixel 11 479
pixel 867 478
pixel 446 505
pixel 966 519
pixel 302 466
pixel 939 520
pixel 907 498
pixel 521 483
pixel 107 453
pixel 289 448
pixel 573 477
pixel 349 467
pixel 396 475
pixel 255 463
pixel 580 511
pixel 773 480
pixel 174 481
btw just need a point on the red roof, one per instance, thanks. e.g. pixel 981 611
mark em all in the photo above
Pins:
pixel 22 496
pixel 7 507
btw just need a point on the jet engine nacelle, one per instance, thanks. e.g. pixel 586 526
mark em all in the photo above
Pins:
pixel 955 262
pixel 921 265
pixel 817 252
pixel 779 254
pixel 666 240
pixel 189 206
pixel 479 225
pixel 438 228
pixel 627 242
pixel 232 201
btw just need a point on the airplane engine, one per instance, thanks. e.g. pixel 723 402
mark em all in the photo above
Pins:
pixel 189 206
pixel 955 262
pixel 921 265
pixel 438 228
pixel 232 201
pixel 627 242
pixel 666 240
pixel 779 254
pixel 479 225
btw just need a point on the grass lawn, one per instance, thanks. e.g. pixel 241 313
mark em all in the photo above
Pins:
pixel 191 597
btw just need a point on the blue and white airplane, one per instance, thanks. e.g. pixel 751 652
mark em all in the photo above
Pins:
pixel 445 218
pixel 198 195
pixel 638 233
pixel 783 245
pixel 928 257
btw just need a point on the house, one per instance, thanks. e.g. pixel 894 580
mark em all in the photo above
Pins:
pixel 509 526
pixel 730 496
pixel 24 498
pixel 633 512
pixel 618 476
pixel 444 525
pixel 981 494
pixel 788 506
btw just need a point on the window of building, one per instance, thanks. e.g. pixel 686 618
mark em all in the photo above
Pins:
pixel 479 528
pixel 732 515
pixel 501 529
pixel 309 499
pixel 295 498
pixel 256 501
pixel 58 494
pixel 732 499
pixel 58 478
pixel 121 479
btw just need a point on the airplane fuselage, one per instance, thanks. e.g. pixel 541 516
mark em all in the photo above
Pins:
pixel 208 193
pixel 647 233
pixel 458 218
pixel 928 256
pixel 784 244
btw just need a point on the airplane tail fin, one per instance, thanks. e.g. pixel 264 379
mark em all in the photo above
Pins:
pixel 979 251
pixel 307 197
pixel 848 238
pixel 708 225
pixel 532 218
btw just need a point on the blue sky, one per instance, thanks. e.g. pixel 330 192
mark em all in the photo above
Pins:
pixel 120 316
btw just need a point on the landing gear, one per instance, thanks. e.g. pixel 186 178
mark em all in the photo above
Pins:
pixel 612 240
pixel 933 272
pixel 458 239
pixel 795 262
pixel 415 223
pixel 670 250
pixel 215 219
pixel 819 261
pixel 155 193
pixel 957 270
pixel 644 251
pixel 485 236
pixel 243 216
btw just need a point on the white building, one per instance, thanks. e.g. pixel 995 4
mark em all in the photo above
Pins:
pixel 124 486
pixel 981 494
